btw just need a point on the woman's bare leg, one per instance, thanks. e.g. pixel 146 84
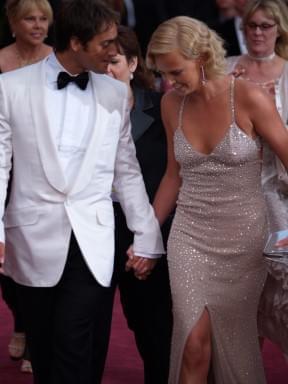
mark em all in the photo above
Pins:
pixel 197 353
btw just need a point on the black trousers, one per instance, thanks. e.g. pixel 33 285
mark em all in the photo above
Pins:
pixel 68 325
pixel 9 287
pixel 9 294
pixel 146 304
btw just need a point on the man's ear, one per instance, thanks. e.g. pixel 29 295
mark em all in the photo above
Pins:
pixel 75 44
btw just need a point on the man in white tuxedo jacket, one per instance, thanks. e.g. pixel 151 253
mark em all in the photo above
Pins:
pixel 69 137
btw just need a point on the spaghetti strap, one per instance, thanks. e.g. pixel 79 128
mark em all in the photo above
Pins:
pixel 232 100
pixel 181 109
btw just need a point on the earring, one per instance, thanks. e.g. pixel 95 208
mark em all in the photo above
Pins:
pixel 131 76
pixel 13 35
pixel 203 76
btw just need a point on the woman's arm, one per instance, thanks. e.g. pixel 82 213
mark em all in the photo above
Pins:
pixel 268 123
pixel 167 193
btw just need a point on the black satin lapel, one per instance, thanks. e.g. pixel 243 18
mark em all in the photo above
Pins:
pixel 140 120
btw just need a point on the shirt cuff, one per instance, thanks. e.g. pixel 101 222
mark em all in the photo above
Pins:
pixel 148 255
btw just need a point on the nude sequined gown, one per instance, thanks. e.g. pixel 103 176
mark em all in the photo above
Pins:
pixel 215 253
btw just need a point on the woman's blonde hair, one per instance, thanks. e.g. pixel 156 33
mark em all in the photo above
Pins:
pixel 17 9
pixel 278 11
pixel 193 39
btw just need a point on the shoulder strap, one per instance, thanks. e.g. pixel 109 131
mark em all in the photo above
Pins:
pixel 232 99
pixel 181 109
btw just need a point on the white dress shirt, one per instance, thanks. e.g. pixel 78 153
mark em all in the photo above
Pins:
pixel 70 135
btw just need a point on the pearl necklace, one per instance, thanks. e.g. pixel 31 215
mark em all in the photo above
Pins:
pixel 262 58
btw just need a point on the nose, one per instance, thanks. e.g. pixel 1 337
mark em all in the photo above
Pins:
pixel 257 30
pixel 112 49
pixel 37 23
pixel 169 79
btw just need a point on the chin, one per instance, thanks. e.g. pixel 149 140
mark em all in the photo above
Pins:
pixel 181 90
pixel 100 69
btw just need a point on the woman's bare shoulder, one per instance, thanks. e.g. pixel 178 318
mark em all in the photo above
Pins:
pixel 253 104
pixel 170 106
pixel 6 51
pixel 249 94
pixel 171 99
pixel 7 56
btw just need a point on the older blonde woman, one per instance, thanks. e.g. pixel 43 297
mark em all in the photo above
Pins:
pixel 29 21
pixel 215 259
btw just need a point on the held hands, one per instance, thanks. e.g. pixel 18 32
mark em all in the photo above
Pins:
pixel 141 266
pixel 2 255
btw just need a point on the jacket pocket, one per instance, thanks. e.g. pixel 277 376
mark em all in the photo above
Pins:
pixel 105 217
pixel 21 217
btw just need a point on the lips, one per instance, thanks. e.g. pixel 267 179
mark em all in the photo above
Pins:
pixel 37 35
pixel 257 42
pixel 178 87
pixel 181 89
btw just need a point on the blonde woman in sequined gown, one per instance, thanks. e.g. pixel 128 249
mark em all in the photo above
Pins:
pixel 216 266
pixel 266 64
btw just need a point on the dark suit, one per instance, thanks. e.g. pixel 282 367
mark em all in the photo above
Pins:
pixel 228 33
pixel 147 304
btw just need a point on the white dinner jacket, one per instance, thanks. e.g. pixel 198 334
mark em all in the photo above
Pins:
pixel 42 207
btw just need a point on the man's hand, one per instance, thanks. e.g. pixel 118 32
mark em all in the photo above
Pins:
pixel 142 266
pixel 2 255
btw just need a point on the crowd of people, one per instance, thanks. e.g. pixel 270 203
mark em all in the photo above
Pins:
pixel 149 158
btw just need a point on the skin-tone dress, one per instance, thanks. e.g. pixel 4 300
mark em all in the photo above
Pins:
pixel 215 251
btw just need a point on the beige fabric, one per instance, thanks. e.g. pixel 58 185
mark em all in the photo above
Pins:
pixel 215 254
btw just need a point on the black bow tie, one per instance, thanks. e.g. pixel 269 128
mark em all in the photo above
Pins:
pixel 64 78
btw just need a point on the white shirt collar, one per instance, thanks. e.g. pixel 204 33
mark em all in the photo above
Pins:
pixel 53 67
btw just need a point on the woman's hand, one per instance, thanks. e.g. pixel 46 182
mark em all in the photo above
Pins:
pixel 142 266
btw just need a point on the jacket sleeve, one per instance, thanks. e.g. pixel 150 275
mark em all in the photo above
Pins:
pixel 5 153
pixel 131 192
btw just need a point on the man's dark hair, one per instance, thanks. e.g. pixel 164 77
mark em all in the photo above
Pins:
pixel 82 19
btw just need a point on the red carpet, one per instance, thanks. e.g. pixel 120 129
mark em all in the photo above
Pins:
pixel 123 363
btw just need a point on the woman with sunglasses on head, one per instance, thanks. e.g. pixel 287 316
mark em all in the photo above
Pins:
pixel 146 303
pixel 265 26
